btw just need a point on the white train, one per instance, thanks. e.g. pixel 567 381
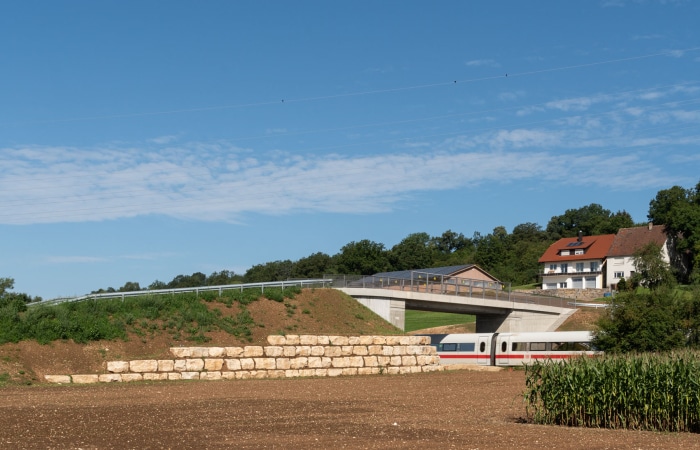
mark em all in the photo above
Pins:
pixel 511 349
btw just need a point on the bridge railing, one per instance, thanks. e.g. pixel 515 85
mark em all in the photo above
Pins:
pixel 308 283
pixel 442 284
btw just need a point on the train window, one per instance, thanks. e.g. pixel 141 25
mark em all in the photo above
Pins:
pixel 519 347
pixel 504 347
pixel 482 347
pixel 466 347
pixel 570 347
pixel 538 346
pixel 449 347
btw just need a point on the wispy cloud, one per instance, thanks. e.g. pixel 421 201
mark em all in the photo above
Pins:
pixel 482 63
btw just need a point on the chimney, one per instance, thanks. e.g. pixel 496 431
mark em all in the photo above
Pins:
pixel 580 235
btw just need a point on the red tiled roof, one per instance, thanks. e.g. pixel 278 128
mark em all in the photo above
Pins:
pixel 628 240
pixel 596 247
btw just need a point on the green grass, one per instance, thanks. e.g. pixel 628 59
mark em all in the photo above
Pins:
pixel 418 320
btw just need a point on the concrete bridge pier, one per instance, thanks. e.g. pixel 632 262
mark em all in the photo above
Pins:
pixel 393 311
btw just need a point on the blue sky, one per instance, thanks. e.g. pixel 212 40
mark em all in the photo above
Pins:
pixel 143 140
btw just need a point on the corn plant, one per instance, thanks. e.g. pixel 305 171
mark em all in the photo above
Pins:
pixel 658 392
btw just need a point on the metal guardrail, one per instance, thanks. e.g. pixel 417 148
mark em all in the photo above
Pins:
pixel 221 288
pixel 442 284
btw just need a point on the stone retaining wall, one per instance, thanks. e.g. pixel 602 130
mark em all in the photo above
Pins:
pixel 284 357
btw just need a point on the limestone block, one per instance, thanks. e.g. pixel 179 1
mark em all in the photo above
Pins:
pixel 216 352
pixel 289 351
pixel 303 350
pixel 340 362
pixel 379 340
pixel 143 365
pixel 227 375
pixel 180 365
pixel 243 374
pixel 110 377
pixel 317 350
pixel 172 376
pixel 314 362
pixel 61 379
pixel 415 369
pixel 127 377
pixel 374 349
pixel 307 372
pixel 190 375
pixel 346 350
pixel 213 375
pixel 395 361
pixel 404 340
pixel 307 339
pixel 247 364
pixel 301 362
pixel 408 360
pixel 387 350
pixel 353 340
pixel 323 340
pixel 165 365
pixel 275 374
pixel 291 373
pixel 282 363
pixel 320 372
pixel 399 350
pixel 383 360
pixel 251 351
pixel 277 339
pixel 348 371
pixel 273 351
pixel 359 350
pixel 234 352
pixel 181 352
pixel 368 371
pixel 326 362
pixel 194 365
pixel 403 370
pixel 213 364
pixel 259 374
pixel 118 366
pixel 356 361
pixel 413 349
pixel 366 340
pixel 334 372
pixel 332 351
pixel 264 363
pixel 392 370
pixel 86 379
pixel 155 376
pixel 292 339
pixel 338 340
pixel 199 352
pixel 424 360
pixel 392 340
pixel 233 364
pixel 370 361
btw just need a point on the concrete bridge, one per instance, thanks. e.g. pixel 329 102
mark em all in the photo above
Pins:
pixel 496 310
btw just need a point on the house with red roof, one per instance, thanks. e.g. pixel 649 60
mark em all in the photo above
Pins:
pixel 576 263
pixel 620 259
pixel 598 262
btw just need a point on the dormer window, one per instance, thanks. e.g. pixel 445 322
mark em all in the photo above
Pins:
pixel 578 251
pixel 564 253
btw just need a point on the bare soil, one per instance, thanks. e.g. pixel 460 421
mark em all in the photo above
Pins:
pixel 455 409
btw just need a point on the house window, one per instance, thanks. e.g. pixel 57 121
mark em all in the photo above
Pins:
pixel 578 252
pixel 579 267
pixel 619 275
pixel 564 268
pixel 564 253
pixel 553 267
pixel 562 285
pixel 594 266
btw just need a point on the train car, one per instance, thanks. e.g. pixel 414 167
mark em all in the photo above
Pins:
pixel 511 349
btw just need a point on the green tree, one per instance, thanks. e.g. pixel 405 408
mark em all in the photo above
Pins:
pixel 591 220
pixel 313 266
pixel 130 286
pixel 679 210
pixel 415 251
pixel 270 271
pixel 363 258
pixel 651 270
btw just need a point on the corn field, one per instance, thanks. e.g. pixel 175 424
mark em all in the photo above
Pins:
pixel 639 392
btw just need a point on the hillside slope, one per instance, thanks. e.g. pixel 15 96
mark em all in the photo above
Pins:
pixel 313 311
